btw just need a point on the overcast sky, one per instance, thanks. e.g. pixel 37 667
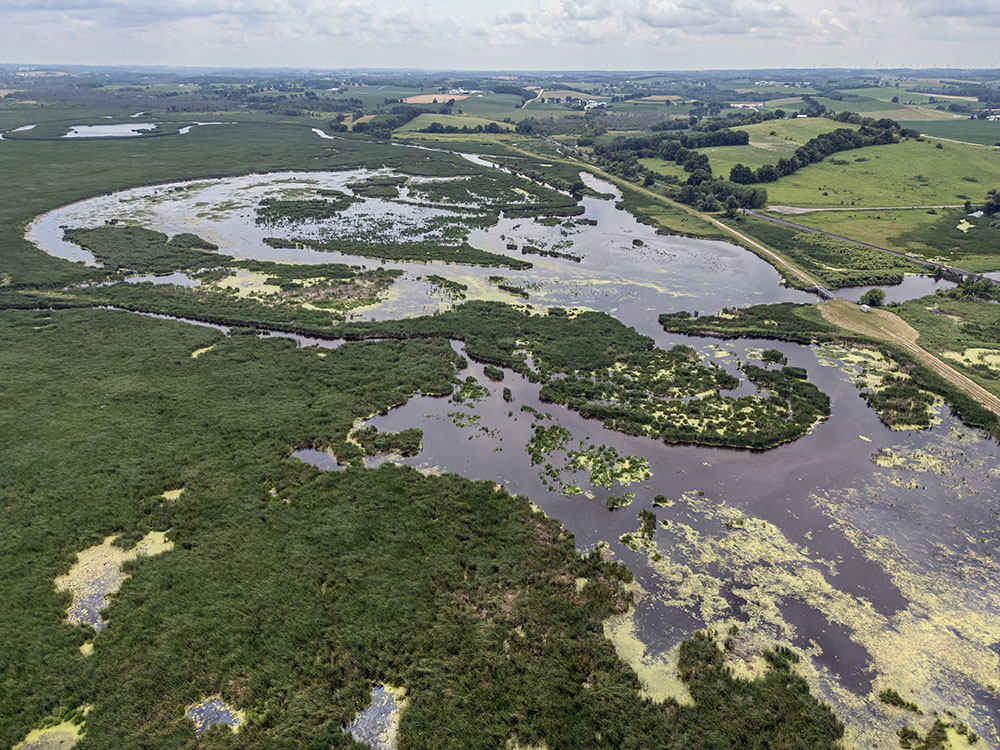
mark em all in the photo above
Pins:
pixel 508 34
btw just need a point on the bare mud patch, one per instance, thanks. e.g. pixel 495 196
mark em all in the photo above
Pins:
pixel 378 725
pixel 213 710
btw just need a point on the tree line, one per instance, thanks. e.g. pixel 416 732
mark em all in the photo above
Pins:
pixel 877 133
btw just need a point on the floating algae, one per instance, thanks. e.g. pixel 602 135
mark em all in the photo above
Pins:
pixel 656 672
pixel 378 725
pixel 977 357
pixel 718 564
pixel 98 573
pixel 211 711
pixel 57 734
pixel 204 350
pixel 172 495
pixel 886 387
pixel 60 737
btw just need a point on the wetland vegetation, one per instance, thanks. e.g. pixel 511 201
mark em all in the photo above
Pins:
pixel 280 596
pixel 836 263
pixel 473 566
pixel 140 250
pixel 902 399
pixel 604 370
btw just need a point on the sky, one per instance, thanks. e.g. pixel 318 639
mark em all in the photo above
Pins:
pixel 504 34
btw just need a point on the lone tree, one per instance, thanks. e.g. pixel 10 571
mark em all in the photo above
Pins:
pixel 732 207
pixel 873 298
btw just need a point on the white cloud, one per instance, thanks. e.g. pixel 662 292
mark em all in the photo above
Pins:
pixel 662 34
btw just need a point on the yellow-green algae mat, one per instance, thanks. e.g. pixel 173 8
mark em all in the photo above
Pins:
pixel 937 649
pixel 56 735
pixel 98 573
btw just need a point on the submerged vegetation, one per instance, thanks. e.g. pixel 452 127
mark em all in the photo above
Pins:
pixel 421 252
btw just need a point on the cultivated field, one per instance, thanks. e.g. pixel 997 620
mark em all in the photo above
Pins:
pixel 434 98
pixel 971 131
pixel 769 141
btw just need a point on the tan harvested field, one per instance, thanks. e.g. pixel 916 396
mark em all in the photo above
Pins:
pixel 4 92
pixel 363 118
pixel 949 96
pixel 431 98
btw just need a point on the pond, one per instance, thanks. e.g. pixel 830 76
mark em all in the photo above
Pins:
pixel 125 130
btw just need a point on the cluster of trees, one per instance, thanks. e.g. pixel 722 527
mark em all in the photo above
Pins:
pixel 701 189
pixel 813 108
pixel 383 125
pixel 816 149
pixel 716 194
pixel 992 204
pixel 975 286
pixel 741 118
pixel 663 145
pixel 490 127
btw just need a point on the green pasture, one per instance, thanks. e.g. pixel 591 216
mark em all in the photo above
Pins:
pixel 909 173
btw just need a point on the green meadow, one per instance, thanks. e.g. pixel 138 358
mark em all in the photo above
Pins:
pixel 769 141
pixel 943 235
pixel 421 122
pixel 909 173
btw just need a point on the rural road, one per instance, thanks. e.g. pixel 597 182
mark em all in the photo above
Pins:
pixel 540 92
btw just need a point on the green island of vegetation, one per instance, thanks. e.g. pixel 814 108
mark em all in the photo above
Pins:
pixel 420 252
pixel 276 212
pixel 900 399
pixel 610 372
pixel 141 250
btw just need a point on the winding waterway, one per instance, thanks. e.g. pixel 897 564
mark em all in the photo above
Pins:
pixel 881 573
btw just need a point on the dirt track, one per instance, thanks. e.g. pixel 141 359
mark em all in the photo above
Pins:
pixel 888 327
